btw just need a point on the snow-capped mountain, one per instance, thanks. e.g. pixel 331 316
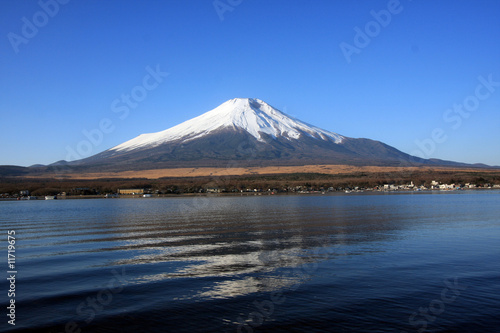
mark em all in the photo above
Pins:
pixel 245 132
pixel 240 133
pixel 254 116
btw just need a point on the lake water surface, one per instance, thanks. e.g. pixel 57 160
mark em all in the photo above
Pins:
pixel 426 262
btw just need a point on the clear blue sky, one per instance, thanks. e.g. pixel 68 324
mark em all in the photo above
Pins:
pixel 397 87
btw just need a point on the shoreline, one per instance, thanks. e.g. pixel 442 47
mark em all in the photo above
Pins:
pixel 299 182
pixel 252 194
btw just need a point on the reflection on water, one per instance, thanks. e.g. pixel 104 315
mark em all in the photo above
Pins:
pixel 207 249
pixel 234 237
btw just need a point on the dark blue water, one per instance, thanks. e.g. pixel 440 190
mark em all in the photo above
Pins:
pixel 326 263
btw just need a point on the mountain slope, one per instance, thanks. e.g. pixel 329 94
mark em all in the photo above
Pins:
pixel 246 132
pixel 251 115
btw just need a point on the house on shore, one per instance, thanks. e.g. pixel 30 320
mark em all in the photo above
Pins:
pixel 131 191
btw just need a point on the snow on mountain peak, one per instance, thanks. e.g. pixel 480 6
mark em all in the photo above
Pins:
pixel 252 115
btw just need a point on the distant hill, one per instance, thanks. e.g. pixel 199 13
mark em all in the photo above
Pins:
pixel 13 170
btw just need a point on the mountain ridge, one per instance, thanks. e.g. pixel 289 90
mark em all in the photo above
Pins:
pixel 252 115
pixel 249 132
pixel 244 132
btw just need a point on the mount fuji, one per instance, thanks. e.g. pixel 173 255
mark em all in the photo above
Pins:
pixel 246 132
pixel 253 116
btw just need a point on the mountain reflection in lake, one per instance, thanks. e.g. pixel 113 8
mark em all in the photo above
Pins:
pixel 339 262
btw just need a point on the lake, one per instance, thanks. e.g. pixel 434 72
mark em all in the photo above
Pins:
pixel 399 262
